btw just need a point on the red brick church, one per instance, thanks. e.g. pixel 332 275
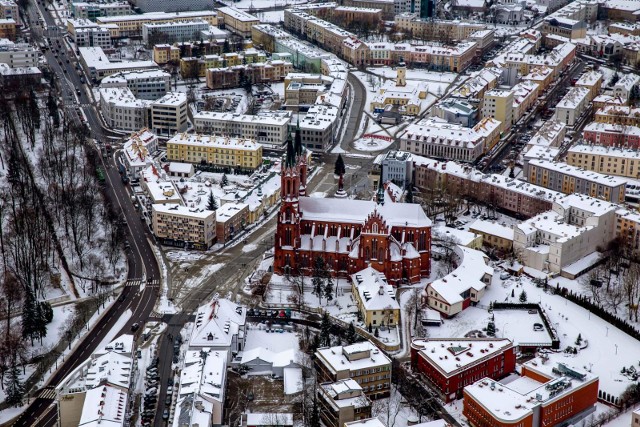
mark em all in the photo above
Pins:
pixel 394 238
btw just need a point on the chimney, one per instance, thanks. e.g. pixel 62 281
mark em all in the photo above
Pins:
pixel 381 290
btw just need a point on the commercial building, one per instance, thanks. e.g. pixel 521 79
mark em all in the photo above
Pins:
pixel 498 104
pixel 569 179
pixel 169 113
pixel 450 364
pixel 241 153
pixel 92 11
pixel 461 288
pixel 612 134
pixel 237 21
pixel 436 138
pixel 86 33
pixel 363 362
pixel 97 391
pixel 181 226
pixel 341 402
pixel 149 85
pixel 606 160
pixel 131 25
pixel 269 129
pixel 138 152
pixel 170 32
pixel 122 110
pixel 231 218
pixel 572 105
pixel 397 167
pixel 98 65
pixel 318 128
pixel 545 394
pixel 201 388
pixel 439 30
pixel 220 325
pixel 457 111
pixel 553 240
pixel 375 298
pixel 18 55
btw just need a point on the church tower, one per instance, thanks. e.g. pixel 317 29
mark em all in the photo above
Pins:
pixel 301 159
pixel 288 229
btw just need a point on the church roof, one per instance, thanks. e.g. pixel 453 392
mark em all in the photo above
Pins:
pixel 357 211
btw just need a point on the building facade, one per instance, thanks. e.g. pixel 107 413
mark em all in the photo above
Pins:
pixel 184 227
pixel 169 113
pixel 341 402
pixel 271 129
pixel 214 150
pixel 237 21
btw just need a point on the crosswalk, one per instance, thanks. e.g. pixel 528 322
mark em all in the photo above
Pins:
pixel 155 314
pixel 138 282
pixel 47 393
pixel 154 282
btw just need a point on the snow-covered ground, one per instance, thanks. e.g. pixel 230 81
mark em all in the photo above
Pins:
pixel 258 337
pixel 372 144
pixel 438 82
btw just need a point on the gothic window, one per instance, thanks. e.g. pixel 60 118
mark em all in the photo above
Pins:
pixel 367 253
pixel 374 247
pixel 287 237
pixel 422 242
pixel 374 228
pixel 380 254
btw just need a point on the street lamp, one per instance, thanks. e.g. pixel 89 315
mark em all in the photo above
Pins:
pixel 616 348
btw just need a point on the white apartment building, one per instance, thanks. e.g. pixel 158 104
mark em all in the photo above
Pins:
pixel 122 110
pixel 18 55
pixel 169 113
pixel 89 37
pixel 98 65
pixel 84 10
pixel 9 10
pixel 172 5
pixel 396 166
pixel 138 152
pixel 267 129
pixel 151 84
pixel 572 105
pixel 220 325
pixel 170 32
pixel 439 139
pixel 575 226
pixel 319 126
pixel 625 85
pixel 182 226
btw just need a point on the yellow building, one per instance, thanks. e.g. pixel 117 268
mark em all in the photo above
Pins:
pixel 491 129
pixel 183 226
pixel 223 151
pixel 163 53
pixel 606 160
pixel 376 299
pixel 498 103
pixel 591 80
pixel 7 29
pixel 494 235
pixel 237 21
pixel 407 96
pixel 542 75
pixel 622 115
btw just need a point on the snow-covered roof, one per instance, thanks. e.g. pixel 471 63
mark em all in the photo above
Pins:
pixel 277 359
pixel 198 140
pixel 548 134
pixel 345 393
pixel 229 211
pixel 216 323
pixel 94 57
pixel 374 291
pixel 177 167
pixel 576 96
pixel 172 99
pixel 137 148
pixel 460 237
pixel 585 203
pixel 589 78
pixel 438 132
pixel 293 382
pixel 452 355
pixel 176 209
pixel 206 377
pixel 357 211
pixel 157 16
pixel 353 357
pixel 493 229
pixel 469 274
pixel 268 119
pixel 542 152
pixel 104 406
pixel 566 169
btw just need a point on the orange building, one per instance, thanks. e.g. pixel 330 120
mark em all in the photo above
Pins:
pixel 349 235
pixel 546 394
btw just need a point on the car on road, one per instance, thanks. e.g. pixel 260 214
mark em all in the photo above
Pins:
pixel 165 414
pixel 121 298
pixel 135 327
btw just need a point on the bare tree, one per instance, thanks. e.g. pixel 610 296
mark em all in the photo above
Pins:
pixel 387 410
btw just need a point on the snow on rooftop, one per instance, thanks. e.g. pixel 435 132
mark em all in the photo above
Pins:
pixel 450 356
pixel 172 99
pixel 216 323
pixel 492 228
pixel 293 382
pixel 375 293
pixel 156 16
pixel 369 422
pixel 574 97
pixel 609 151
pixel 176 209
pixel 577 172
pixel 104 406
pixel 353 357
pixel 199 140
pixel 238 14
pixel 204 376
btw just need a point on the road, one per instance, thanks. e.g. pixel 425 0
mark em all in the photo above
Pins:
pixel 142 264
pixel 352 123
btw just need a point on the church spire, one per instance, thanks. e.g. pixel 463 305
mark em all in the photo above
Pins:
pixel 298 141
pixel 290 160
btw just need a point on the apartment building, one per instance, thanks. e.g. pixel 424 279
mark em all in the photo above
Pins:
pixel 569 179
pixel 222 151
pixel 625 85
pixel 375 298
pixel 122 110
pixel 542 76
pixel 450 364
pixel 572 105
pixel 545 394
pixel 347 15
pixel 439 139
pixel 617 161
pixel 591 80
pixel 385 6
pixel 550 134
pixel 525 95
pixel 92 11
pixel 150 85
pixel 494 235
pixel 231 218
pixel 164 53
pixel 181 226
pixel 267 129
pixel 169 113
pixel 8 29
pixel 237 21
pixel 498 103
pixel 341 402
pixel 363 362
pixel 319 126
pixel 612 134
pixel 9 10
pixel 437 29
pixel 230 77
pixel 220 325
pixel 131 25
pixel 18 55
pixel 554 240
pixel 557 60
pixel 98 65
pixel 618 115
pixel 522 199
pixel 138 152
pixel 170 32
pixel 628 230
